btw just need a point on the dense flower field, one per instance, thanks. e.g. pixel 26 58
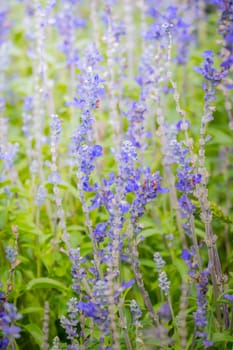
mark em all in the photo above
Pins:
pixel 116 176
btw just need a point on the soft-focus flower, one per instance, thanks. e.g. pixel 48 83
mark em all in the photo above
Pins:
pixel 164 283
pixel 136 312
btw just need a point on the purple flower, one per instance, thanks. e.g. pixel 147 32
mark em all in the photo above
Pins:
pixel 97 151
pixel 136 312
pixel 55 127
pixel 208 71
pixel 200 314
pixel 164 283
pixel 186 256
pixel 10 254
pixel 4 26
pixel 40 195
pixel 70 323
pixel 165 312
pixel 208 343
pixel 4 343
pixel 8 317
pixel 54 178
pixel 158 261
pixel 77 271
pixel 228 297
pixel 124 207
pixel 68 23
pixel 89 309
pixel 183 125
pixel 100 232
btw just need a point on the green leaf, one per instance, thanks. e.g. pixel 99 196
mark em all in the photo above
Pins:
pixel 45 282
pixel 149 232
pixel 182 268
pixel 30 310
pixel 35 332
pixel 222 337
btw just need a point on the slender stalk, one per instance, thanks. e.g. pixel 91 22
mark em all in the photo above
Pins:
pixel 124 326
pixel 111 308
pixel 139 279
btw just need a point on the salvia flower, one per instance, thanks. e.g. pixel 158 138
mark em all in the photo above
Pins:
pixel 8 317
pixel 228 297
pixel 200 317
pixel 164 283
pixel 70 323
pixel 40 195
pixel 68 23
pixel 77 271
pixel 159 262
pixel 136 312
pixel 54 178
pixel 165 311
pixel 208 71
pixel 10 254
pixel 55 127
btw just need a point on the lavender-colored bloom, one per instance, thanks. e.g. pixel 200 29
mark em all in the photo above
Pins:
pixel 77 271
pixel 228 297
pixel 200 314
pixel 10 254
pixel 164 283
pixel 124 207
pixel 8 150
pixel 170 238
pixel 177 153
pixel 186 256
pixel 4 343
pixel 2 104
pixel 55 127
pixel 165 311
pixel 97 309
pixel 68 23
pixel 183 125
pixel 4 26
pixel 101 294
pixel 82 148
pixel 175 21
pixel 28 104
pixel 100 232
pixel 136 312
pixel 208 71
pixel 159 262
pixel 40 195
pixel 145 193
pixel 124 286
pixel 70 323
pixel 8 317
pixel 89 309
pixel 208 343
pixel 54 178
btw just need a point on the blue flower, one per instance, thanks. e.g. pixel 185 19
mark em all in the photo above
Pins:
pixel 54 178
pixel 228 297
pixel 100 232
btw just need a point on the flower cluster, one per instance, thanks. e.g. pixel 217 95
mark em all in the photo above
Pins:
pixel 8 316
pixel 178 21
pixel 208 71
pixel 82 148
pixel 67 24
pixel 164 283
pixel 200 314
pixel 136 312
